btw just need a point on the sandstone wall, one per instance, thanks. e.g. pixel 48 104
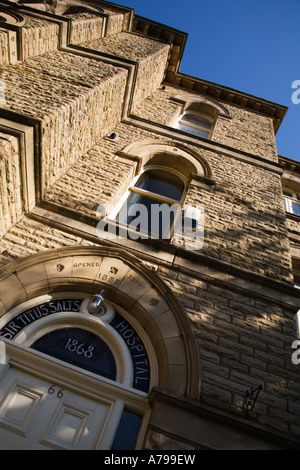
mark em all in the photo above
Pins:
pixel 244 342
pixel 85 27
pixel 96 178
pixel 77 100
pixel 247 131
pixel 244 339
pixel 39 36
pixel 244 223
pixel 4 48
pixel 10 183
pixel 28 237
pixel 151 56
pixel 244 217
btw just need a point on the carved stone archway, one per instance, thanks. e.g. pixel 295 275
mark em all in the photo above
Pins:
pixel 129 284
pixel 175 156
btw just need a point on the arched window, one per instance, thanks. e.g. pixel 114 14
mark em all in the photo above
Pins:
pixel 197 115
pixel 153 202
pixel 79 347
pixel 195 123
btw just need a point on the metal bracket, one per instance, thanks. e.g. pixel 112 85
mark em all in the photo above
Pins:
pixel 249 401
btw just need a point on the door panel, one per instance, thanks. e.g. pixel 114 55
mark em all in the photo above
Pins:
pixel 19 406
pixel 35 414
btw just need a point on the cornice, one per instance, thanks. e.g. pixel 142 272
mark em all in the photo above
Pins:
pixel 289 164
pixel 152 29
pixel 177 40
pixel 253 103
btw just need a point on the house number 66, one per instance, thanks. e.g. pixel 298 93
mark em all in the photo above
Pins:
pixel 51 390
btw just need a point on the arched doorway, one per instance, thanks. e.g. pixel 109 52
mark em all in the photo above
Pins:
pixel 87 377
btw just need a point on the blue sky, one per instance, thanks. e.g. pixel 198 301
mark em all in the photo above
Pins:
pixel 251 46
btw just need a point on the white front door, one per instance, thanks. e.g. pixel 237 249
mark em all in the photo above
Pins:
pixel 70 381
pixel 36 414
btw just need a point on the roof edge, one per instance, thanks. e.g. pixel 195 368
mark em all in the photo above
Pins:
pixel 177 39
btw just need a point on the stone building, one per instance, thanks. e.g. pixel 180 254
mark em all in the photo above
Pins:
pixel 121 330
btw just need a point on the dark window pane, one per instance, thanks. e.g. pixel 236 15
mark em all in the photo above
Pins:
pixel 127 432
pixel 162 183
pixel 196 120
pixel 80 348
pixel 147 215
pixel 296 208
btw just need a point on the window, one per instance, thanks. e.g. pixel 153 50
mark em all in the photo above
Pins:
pixel 296 272
pixel 198 115
pixel 79 347
pixel 195 123
pixel 291 201
pixel 297 281
pixel 127 432
pixel 153 203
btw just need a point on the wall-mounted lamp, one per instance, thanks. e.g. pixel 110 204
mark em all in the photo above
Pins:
pixel 95 305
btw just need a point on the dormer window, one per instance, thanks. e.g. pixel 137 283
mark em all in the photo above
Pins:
pixel 195 123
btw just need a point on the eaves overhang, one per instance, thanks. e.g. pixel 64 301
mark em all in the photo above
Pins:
pixel 273 110
pixel 289 164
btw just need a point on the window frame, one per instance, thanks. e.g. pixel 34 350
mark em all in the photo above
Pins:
pixel 195 126
pixel 155 196
pixel 148 194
